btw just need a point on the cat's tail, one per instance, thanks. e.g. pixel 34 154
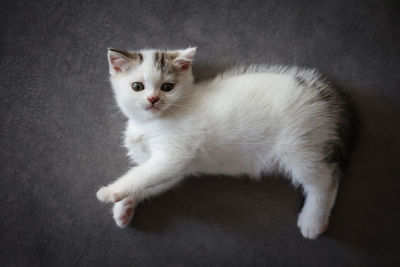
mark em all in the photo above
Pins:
pixel 342 108
pixel 338 151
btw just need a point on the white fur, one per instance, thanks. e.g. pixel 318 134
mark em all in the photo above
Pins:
pixel 248 121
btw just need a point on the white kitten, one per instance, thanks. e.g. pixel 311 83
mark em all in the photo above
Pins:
pixel 247 121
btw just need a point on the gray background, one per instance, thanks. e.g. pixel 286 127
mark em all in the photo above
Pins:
pixel 60 134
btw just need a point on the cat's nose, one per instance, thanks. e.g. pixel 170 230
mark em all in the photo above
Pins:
pixel 153 99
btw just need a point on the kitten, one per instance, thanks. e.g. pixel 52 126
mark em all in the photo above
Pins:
pixel 246 121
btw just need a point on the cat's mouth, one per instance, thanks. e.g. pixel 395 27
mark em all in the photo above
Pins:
pixel 152 108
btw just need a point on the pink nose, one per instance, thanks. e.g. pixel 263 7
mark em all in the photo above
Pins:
pixel 153 99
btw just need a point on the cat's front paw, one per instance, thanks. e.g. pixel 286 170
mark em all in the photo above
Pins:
pixel 107 194
pixel 123 211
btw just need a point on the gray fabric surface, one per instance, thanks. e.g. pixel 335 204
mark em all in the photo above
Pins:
pixel 60 134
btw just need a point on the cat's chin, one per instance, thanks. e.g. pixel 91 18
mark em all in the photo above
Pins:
pixel 152 111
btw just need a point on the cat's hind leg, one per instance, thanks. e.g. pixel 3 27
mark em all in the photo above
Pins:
pixel 320 197
pixel 320 183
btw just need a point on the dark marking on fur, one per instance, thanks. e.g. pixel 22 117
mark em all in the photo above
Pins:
pixel 165 61
pixel 134 56
pixel 301 81
pixel 158 59
pixel 337 150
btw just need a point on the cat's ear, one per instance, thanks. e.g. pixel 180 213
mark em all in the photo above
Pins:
pixel 120 61
pixel 185 58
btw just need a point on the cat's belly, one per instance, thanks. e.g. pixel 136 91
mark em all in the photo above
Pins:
pixel 138 151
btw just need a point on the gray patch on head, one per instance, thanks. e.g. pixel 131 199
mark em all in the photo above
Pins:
pixel 132 55
pixel 164 61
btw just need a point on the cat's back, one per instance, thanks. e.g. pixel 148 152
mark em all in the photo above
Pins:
pixel 283 104
pixel 260 91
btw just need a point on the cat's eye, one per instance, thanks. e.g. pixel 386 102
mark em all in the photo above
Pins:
pixel 137 86
pixel 166 87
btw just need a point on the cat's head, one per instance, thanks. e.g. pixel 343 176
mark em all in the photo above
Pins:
pixel 149 82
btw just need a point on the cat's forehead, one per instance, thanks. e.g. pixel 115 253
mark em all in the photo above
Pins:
pixel 148 67
pixel 165 61
pixel 158 64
